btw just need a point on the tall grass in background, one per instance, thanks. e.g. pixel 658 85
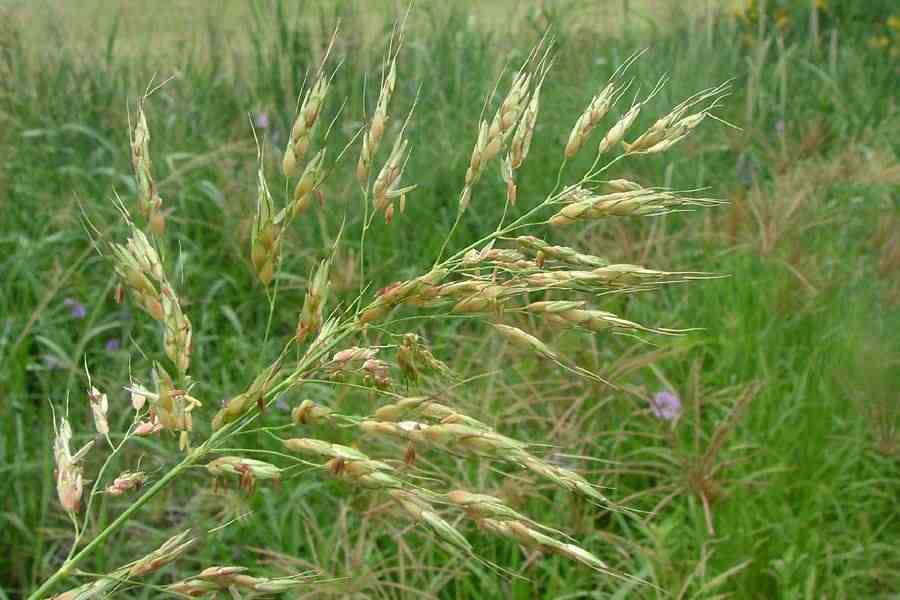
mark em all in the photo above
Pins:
pixel 803 504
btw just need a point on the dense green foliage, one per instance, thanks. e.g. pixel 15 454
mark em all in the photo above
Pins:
pixel 806 320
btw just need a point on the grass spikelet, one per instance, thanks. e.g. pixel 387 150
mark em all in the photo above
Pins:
pixel 562 254
pixel 69 480
pixel 265 240
pixel 525 340
pixel 138 265
pixel 584 205
pixel 248 470
pixel 149 202
pixel 239 405
pixel 309 182
pixel 310 413
pixel 312 313
pixel 372 138
pixel 422 511
pixel 304 125
pixel 125 482
pixel 178 334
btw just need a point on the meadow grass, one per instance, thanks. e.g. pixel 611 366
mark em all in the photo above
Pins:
pixel 805 504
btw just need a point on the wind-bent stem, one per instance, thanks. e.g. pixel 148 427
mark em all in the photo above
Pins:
pixel 362 243
pixel 459 214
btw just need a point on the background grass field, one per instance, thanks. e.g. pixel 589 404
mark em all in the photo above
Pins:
pixel 805 504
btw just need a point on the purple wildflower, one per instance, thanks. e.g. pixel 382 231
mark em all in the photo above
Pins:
pixel 112 345
pixel 262 120
pixel 76 308
pixel 666 406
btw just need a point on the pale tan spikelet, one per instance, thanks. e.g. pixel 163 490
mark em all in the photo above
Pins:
pixel 309 182
pixel 126 481
pixel 590 119
pixel 387 185
pixel 415 359
pixel 149 202
pixel 169 551
pixel 373 136
pixel 525 340
pixel 248 470
pixel 509 177
pixel 323 448
pixel 265 239
pixel 565 478
pixel 140 268
pixel 641 202
pixel 421 510
pixel 253 396
pixel 563 254
pixel 412 291
pixel 304 125
pixel 675 126
pixel 472 439
pixel 377 372
pixel 570 313
pixel 623 185
pixel 69 480
pixel 99 408
pixel 521 141
pixel 618 131
pixel 500 257
pixel 178 333
pixel 235 581
pixel 312 313
pixel 310 413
